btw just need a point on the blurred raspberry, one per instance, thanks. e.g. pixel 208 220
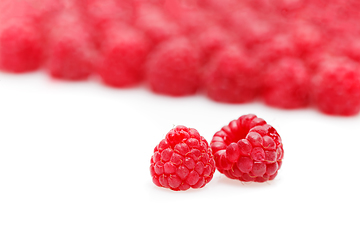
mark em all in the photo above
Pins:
pixel 286 84
pixel 280 46
pixel 211 40
pixel 248 150
pixel 173 68
pixel 70 49
pixel 155 24
pixel 123 54
pixel 231 77
pixel 20 46
pixel 182 160
pixel 336 87
pixel 306 37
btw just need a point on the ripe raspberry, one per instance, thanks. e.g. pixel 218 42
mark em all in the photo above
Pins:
pixel 20 46
pixel 336 87
pixel 248 149
pixel 210 41
pixel 286 84
pixel 173 68
pixel 307 38
pixel 70 50
pixel 182 160
pixel 154 23
pixel 230 77
pixel 278 47
pixel 122 57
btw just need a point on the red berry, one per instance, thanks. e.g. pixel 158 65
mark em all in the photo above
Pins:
pixel 20 46
pixel 154 23
pixel 70 49
pixel 336 88
pixel 286 84
pixel 230 77
pixel 182 160
pixel 122 57
pixel 173 68
pixel 259 152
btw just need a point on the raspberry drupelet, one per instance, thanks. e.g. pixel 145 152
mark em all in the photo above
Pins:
pixel 182 160
pixel 248 149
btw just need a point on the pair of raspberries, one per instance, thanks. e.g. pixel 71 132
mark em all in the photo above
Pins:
pixel 248 149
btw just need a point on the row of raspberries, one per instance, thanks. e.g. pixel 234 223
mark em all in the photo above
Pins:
pixel 247 149
pixel 291 54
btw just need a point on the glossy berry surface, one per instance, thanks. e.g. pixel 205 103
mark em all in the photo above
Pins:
pixel 182 160
pixel 248 149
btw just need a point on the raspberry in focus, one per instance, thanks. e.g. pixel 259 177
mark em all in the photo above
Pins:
pixel 248 149
pixel 182 160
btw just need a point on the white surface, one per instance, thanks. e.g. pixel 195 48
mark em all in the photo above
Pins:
pixel 74 164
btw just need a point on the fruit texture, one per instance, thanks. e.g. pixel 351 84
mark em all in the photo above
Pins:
pixel 182 160
pixel 248 149
pixel 336 87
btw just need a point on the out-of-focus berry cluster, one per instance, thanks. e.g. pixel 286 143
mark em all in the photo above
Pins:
pixel 289 53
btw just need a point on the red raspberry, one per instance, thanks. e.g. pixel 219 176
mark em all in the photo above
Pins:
pixel 173 68
pixel 248 149
pixel 278 47
pixel 286 84
pixel 20 46
pixel 182 160
pixel 70 53
pixel 307 38
pixel 336 87
pixel 210 41
pixel 154 23
pixel 123 56
pixel 230 77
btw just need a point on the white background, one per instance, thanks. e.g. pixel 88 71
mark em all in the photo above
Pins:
pixel 75 157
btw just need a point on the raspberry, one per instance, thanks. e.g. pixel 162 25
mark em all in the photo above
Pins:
pixel 248 149
pixel 153 22
pixel 173 68
pixel 70 48
pixel 21 49
pixel 249 27
pixel 210 41
pixel 230 77
pixel 123 56
pixel 279 46
pixel 182 160
pixel 286 84
pixel 307 38
pixel 336 87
